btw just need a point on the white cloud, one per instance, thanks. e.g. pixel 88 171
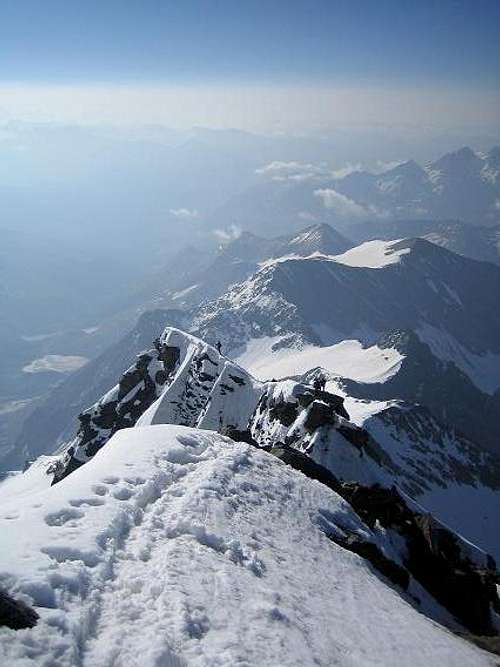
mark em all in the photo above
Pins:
pixel 185 213
pixel 345 171
pixel 309 217
pixel 347 208
pixel 228 234
pixel 342 205
pixel 278 170
pixel 57 363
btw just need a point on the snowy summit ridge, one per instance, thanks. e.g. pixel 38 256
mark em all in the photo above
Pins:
pixel 171 505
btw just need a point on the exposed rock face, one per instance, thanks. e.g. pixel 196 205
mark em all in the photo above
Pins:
pixel 182 380
pixel 15 614
pixel 293 412
pixel 120 408
pixel 52 422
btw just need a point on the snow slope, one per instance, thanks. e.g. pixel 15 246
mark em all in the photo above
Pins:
pixel 174 546
pixel 347 359
pixel 483 369
pixel 373 254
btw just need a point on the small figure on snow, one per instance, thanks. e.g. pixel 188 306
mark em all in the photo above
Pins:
pixel 219 347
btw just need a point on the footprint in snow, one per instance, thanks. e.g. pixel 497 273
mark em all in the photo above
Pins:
pixel 63 516
pixel 122 493
pixel 111 480
pixel 62 554
pixel 93 502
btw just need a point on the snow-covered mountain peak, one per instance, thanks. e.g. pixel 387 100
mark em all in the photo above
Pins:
pixel 455 162
pixel 320 238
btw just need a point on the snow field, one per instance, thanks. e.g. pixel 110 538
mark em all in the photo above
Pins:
pixel 174 546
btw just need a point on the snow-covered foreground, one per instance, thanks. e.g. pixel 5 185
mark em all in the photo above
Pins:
pixel 347 359
pixel 175 546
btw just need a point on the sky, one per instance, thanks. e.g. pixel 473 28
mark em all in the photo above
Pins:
pixel 251 64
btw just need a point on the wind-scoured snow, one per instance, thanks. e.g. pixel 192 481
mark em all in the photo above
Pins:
pixel 370 255
pixel 347 359
pixel 174 546
pixel 373 254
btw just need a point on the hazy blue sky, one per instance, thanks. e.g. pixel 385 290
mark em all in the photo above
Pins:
pixel 254 41
pixel 155 60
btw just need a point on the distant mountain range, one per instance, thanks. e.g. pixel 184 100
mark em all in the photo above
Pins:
pixel 461 185
pixel 476 242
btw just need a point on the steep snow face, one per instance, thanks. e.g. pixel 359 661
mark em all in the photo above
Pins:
pixel 177 547
pixel 35 478
pixel 373 254
pixel 266 359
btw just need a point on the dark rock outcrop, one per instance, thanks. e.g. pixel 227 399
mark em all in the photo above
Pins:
pixel 120 408
pixel 15 614
pixel 319 414
pixel 239 436
pixel 435 556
